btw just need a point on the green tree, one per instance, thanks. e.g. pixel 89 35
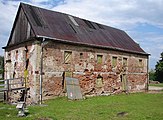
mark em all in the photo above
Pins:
pixel 1 65
pixel 159 69
pixel 152 75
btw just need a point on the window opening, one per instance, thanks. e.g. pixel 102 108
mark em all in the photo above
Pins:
pixel 99 81
pixel 99 59
pixel 114 61
pixel 100 26
pixel 90 25
pixel 140 63
pixel 67 56
pixel 125 62
pixel 73 20
pixel 81 55
pixel 72 28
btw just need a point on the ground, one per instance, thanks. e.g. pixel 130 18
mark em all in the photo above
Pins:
pixel 138 106
pixel 157 85
pixel 155 88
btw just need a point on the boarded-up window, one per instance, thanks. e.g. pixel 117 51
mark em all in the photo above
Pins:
pixel 99 81
pixel 99 59
pixel 68 74
pixel 124 62
pixel 114 61
pixel 140 63
pixel 67 56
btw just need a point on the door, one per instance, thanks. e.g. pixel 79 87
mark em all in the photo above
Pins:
pixel 124 82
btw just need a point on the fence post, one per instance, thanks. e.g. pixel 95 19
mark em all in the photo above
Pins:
pixel 7 89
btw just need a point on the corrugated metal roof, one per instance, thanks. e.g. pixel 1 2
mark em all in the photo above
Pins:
pixel 60 26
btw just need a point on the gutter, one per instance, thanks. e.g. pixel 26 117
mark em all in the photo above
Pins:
pixel 93 45
pixel 147 88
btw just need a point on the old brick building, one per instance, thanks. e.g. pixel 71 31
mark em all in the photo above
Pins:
pixel 50 46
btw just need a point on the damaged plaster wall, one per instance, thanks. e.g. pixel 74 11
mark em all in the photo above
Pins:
pixel 95 78
pixel 87 70
pixel 17 59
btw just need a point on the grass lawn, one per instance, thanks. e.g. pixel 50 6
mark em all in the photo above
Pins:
pixel 157 85
pixel 139 106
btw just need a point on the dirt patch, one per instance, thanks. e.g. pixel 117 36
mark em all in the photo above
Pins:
pixel 154 88
pixel 121 114
pixel 44 118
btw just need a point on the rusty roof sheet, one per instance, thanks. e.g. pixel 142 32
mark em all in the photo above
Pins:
pixel 73 29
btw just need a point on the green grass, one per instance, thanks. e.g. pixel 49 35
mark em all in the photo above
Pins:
pixel 157 85
pixel 139 106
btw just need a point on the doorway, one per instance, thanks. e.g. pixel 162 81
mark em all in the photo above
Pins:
pixel 124 82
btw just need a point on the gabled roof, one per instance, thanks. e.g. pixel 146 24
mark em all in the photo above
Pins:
pixel 67 28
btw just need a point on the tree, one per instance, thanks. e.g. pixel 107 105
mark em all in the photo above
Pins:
pixel 152 75
pixel 2 65
pixel 159 69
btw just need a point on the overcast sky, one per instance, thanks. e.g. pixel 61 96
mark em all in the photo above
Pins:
pixel 141 19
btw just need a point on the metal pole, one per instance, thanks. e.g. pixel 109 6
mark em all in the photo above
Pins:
pixel 41 66
pixel 7 90
pixel 147 74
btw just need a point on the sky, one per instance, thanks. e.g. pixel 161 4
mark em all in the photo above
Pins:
pixel 141 19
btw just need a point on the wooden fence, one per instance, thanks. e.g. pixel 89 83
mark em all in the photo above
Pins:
pixel 8 85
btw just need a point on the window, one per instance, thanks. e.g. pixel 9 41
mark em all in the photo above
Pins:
pixel 99 81
pixel 99 59
pixel 73 20
pixel 140 63
pixel 124 62
pixel 67 56
pixel 81 55
pixel 114 61
pixel 100 26
pixel 90 25
pixel 16 54
pixel 68 74
pixel 73 28
pixel 8 57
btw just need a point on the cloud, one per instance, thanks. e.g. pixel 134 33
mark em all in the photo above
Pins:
pixel 39 1
pixel 8 12
pixel 122 14
pixel 137 17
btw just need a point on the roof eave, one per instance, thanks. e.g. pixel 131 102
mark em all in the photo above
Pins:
pixel 92 45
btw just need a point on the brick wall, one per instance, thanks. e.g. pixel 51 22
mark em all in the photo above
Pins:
pixel 92 66
pixel 84 66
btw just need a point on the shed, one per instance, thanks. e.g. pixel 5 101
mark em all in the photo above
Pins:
pixel 51 46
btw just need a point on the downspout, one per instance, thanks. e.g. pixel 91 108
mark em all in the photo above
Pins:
pixel 147 73
pixel 41 67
